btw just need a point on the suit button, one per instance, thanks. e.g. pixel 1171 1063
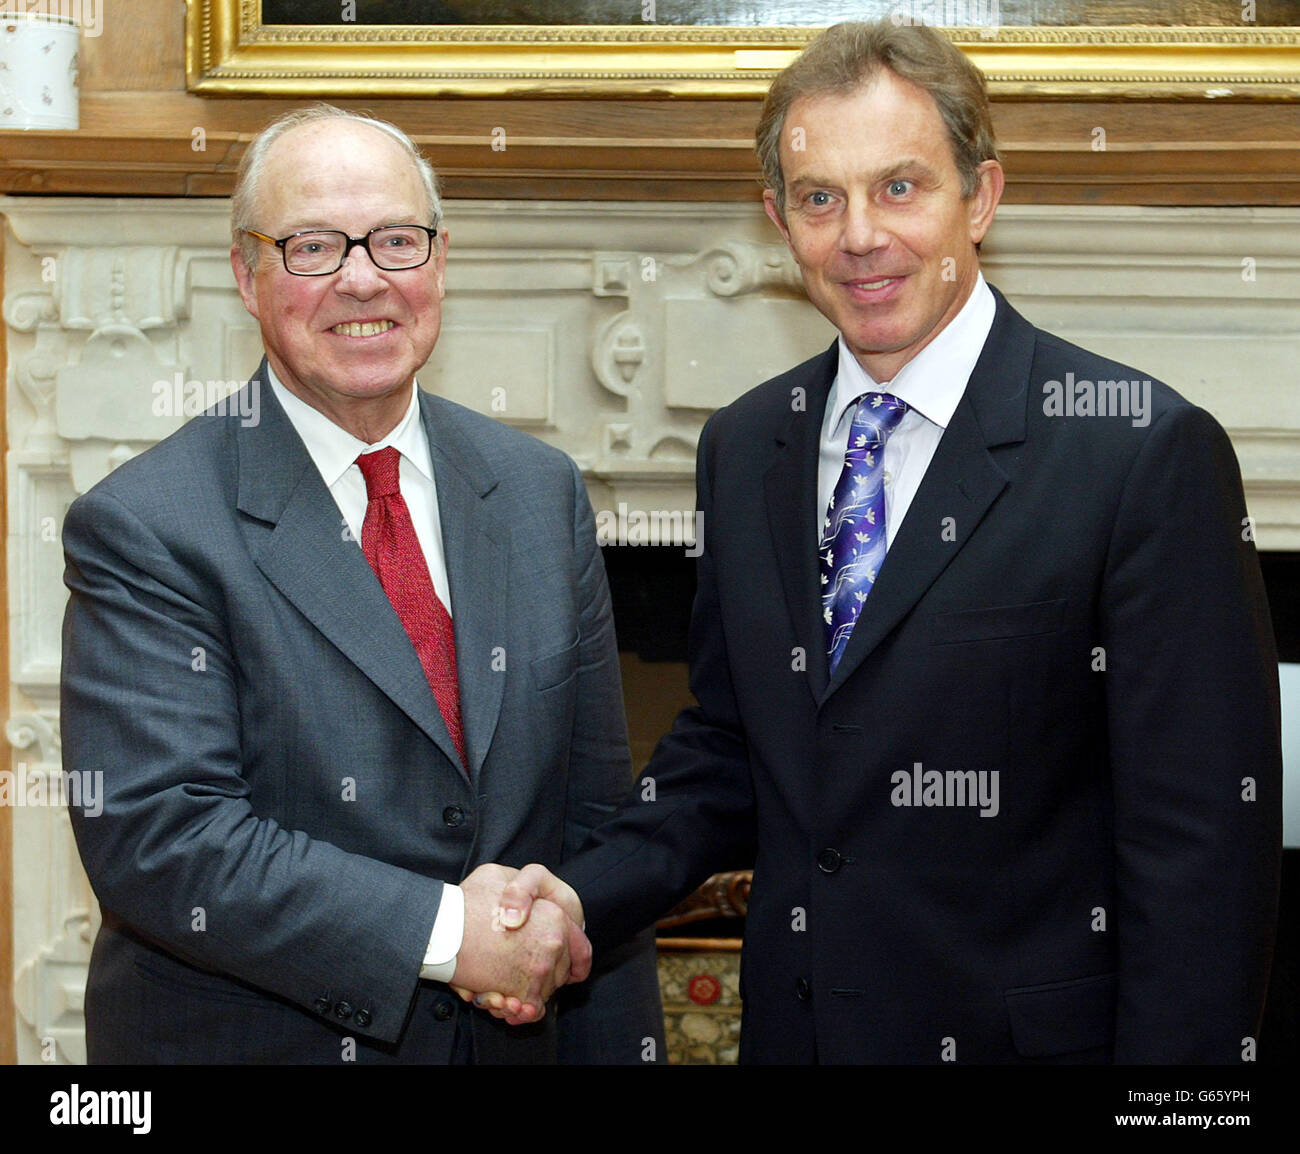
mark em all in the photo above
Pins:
pixel 803 990
pixel 443 1009
pixel 323 1004
pixel 828 861
pixel 453 816
pixel 343 1011
pixel 363 1018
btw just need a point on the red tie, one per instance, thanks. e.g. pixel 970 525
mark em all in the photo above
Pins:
pixel 389 542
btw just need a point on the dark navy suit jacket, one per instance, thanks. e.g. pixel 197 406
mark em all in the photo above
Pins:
pixel 1071 603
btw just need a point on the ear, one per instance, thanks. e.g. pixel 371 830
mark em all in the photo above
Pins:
pixel 984 203
pixel 244 279
pixel 439 260
pixel 774 215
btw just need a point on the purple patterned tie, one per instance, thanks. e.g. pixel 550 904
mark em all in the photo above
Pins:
pixel 853 535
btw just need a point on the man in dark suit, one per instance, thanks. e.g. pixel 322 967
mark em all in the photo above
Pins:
pixel 326 669
pixel 985 678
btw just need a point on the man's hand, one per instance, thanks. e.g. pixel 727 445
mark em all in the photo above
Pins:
pixel 557 912
pixel 532 882
pixel 515 960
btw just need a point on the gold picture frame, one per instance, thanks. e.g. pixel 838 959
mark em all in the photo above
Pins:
pixel 230 52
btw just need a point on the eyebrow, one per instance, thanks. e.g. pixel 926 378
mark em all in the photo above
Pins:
pixel 336 228
pixel 905 165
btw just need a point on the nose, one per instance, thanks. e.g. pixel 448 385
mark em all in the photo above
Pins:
pixel 359 275
pixel 863 228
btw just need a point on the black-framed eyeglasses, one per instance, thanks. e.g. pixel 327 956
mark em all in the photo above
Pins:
pixel 392 247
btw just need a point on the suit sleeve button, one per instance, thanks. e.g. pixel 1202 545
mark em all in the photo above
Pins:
pixel 829 860
pixel 453 816
pixel 323 1004
pixel 803 990
pixel 443 1009
pixel 362 1018
pixel 343 1011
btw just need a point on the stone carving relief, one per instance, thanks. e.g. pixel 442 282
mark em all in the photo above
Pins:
pixel 49 983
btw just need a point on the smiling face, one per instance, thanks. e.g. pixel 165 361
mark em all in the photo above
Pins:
pixel 875 217
pixel 348 344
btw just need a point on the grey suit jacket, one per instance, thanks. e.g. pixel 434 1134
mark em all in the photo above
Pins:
pixel 282 801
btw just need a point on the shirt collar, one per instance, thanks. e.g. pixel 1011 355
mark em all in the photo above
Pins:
pixel 334 449
pixel 933 381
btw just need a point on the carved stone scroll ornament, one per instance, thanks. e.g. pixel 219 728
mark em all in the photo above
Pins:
pixel 736 267
pixel 49 984
pixel 34 373
pixel 23 730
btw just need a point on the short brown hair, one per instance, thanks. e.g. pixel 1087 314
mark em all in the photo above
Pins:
pixel 848 55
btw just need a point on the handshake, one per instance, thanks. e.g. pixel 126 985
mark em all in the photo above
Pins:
pixel 523 940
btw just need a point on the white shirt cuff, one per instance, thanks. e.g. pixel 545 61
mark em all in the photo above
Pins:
pixel 448 933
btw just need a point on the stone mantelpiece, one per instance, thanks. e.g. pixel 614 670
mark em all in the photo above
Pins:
pixel 613 330
pixel 609 330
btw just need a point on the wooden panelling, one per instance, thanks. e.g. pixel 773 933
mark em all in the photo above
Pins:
pixel 139 136
pixel 140 46
pixel 174 144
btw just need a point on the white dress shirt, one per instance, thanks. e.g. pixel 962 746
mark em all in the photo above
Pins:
pixel 335 452
pixel 931 383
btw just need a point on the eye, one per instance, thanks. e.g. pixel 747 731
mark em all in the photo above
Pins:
pixel 819 199
pixel 899 187
pixel 310 244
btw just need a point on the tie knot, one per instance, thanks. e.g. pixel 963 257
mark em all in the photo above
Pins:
pixel 380 470
pixel 876 417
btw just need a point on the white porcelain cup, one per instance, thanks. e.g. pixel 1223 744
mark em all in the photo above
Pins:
pixel 38 71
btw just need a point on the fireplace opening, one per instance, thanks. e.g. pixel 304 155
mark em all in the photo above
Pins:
pixel 652 588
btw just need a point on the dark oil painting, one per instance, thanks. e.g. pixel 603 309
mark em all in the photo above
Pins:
pixel 782 13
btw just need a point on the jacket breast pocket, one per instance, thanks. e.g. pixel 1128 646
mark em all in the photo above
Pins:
pixel 554 669
pixel 997 622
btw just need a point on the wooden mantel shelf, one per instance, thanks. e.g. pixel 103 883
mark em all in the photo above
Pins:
pixel 170 143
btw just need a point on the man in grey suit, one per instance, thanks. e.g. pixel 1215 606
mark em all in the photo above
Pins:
pixel 331 659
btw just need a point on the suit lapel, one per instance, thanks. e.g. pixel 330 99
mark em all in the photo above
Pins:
pixel 790 488
pixel 961 483
pixel 476 545
pixel 305 553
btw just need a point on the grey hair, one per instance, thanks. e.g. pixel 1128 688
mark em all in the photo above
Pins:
pixel 244 200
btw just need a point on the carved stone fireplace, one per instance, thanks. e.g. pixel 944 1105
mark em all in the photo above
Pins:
pixel 609 330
